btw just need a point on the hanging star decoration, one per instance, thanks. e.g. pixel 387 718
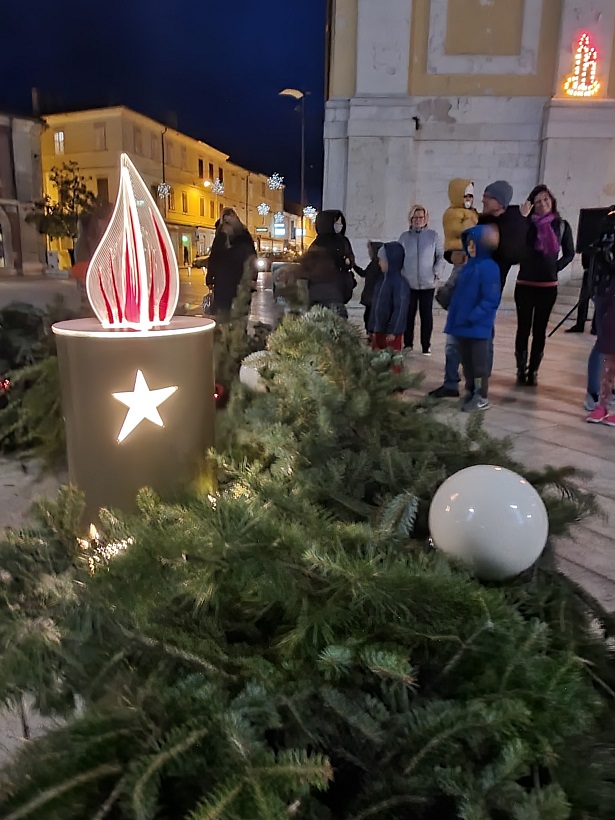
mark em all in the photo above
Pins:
pixel 142 404
pixel 582 82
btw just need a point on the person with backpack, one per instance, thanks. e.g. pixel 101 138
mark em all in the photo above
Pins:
pixel 549 249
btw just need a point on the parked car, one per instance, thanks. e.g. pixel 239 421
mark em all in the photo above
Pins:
pixel 265 260
pixel 200 261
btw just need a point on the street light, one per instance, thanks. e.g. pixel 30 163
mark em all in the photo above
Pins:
pixel 296 94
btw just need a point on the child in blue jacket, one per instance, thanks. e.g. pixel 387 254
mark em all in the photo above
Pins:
pixel 471 315
pixel 389 312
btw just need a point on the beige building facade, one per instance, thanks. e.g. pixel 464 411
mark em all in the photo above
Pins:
pixel 421 91
pixel 185 176
pixel 22 249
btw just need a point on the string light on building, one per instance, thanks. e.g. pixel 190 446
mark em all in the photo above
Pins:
pixel 582 82
pixel 276 182
pixel 218 187
pixel 310 212
pixel 164 189
pixel 263 209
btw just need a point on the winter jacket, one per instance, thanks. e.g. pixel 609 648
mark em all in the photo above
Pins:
pixel 476 297
pixel 328 273
pixel 513 228
pixel 457 218
pixel 230 257
pixel 389 312
pixel 538 268
pixel 424 258
pixel 372 275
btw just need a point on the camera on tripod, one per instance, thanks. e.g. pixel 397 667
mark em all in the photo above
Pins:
pixel 602 256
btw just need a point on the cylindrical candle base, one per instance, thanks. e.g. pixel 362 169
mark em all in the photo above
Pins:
pixel 138 405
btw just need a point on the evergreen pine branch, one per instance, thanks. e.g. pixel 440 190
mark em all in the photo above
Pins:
pixel 215 807
pixel 84 778
pixel 143 808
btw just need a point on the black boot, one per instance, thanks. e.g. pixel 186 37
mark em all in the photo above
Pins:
pixel 532 373
pixel 521 357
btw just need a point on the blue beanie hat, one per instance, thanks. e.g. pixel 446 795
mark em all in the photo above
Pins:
pixel 501 191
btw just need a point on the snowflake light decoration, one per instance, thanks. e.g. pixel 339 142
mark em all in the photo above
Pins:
pixel 278 217
pixel 276 182
pixel 310 212
pixel 263 209
pixel 164 189
pixel 218 187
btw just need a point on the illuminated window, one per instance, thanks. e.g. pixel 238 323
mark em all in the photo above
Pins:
pixel 102 186
pixel 171 200
pixel 202 206
pixel 58 143
pixel 100 136
pixel 184 202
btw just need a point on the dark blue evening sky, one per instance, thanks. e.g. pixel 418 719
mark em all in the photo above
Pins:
pixel 218 65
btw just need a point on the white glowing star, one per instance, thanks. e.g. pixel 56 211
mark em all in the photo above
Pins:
pixel 142 403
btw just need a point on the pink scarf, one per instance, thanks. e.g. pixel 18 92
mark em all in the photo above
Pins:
pixel 546 240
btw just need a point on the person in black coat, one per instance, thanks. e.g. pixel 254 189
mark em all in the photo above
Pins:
pixel 549 249
pixel 329 262
pixel 232 253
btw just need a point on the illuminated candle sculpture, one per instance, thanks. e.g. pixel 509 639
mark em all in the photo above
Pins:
pixel 138 384
pixel 582 82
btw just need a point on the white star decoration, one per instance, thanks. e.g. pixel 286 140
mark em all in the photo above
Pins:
pixel 142 404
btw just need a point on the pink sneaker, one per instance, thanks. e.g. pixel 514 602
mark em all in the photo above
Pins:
pixel 597 415
pixel 609 420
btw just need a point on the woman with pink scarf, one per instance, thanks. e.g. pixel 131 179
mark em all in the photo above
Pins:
pixel 550 248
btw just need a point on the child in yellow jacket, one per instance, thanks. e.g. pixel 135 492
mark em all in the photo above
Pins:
pixel 458 217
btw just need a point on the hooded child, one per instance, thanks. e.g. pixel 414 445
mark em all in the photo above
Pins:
pixel 471 315
pixel 387 320
pixel 372 275
pixel 458 217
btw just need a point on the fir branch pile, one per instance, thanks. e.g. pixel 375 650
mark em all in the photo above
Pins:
pixel 292 647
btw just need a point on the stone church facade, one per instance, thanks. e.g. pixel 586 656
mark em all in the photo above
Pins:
pixel 421 91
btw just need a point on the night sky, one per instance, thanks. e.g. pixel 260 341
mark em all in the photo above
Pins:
pixel 218 66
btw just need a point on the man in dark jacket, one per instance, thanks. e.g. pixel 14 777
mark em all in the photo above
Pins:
pixel 511 222
pixel 232 254
pixel 329 262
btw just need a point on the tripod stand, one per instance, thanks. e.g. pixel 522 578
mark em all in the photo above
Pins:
pixel 566 317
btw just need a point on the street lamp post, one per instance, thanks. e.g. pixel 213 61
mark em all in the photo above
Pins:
pixel 296 94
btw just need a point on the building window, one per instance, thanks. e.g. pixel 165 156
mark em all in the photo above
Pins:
pixel 211 172
pixel 201 169
pixel 184 158
pixel 102 188
pixel 169 152
pixel 220 209
pixel 221 175
pixel 154 146
pixel 100 136
pixel 263 190
pixel 202 206
pixel 58 143
pixel 184 202
pixel 138 140
pixel 171 200
pixel 212 209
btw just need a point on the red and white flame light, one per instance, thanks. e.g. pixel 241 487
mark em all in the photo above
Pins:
pixel 133 279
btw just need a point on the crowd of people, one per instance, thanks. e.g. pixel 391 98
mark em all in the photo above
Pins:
pixel 403 278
